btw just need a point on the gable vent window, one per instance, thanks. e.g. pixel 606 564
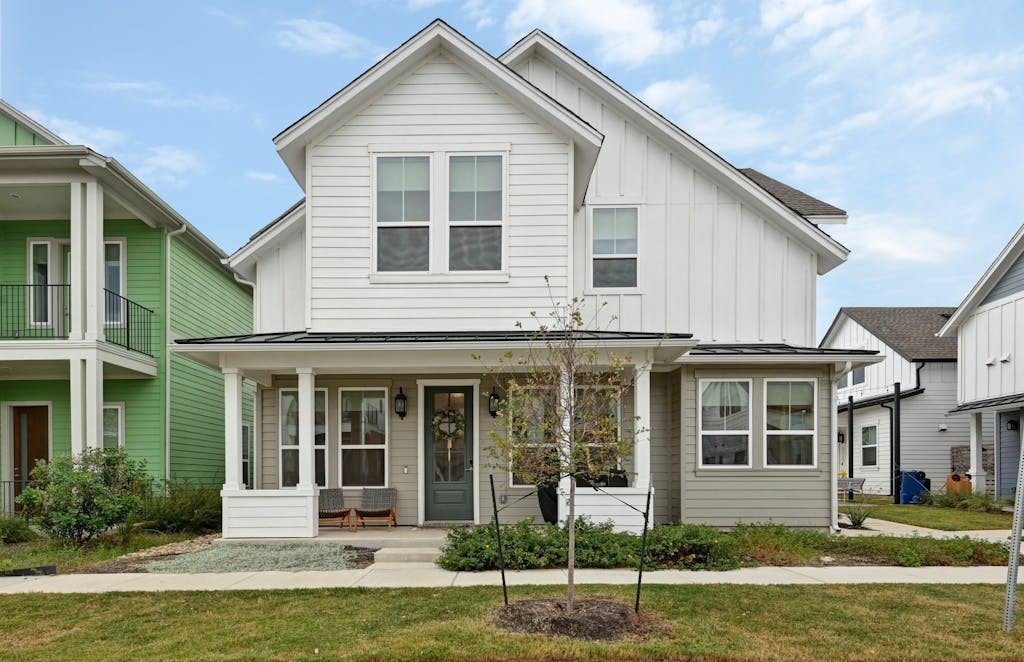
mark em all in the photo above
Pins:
pixel 614 247
pixel 403 213
pixel 475 213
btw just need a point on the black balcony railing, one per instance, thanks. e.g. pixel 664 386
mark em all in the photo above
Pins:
pixel 128 324
pixel 35 311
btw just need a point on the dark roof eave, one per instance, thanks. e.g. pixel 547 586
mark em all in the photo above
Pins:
pixel 879 400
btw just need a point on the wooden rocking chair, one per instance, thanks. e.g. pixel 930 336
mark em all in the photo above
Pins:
pixel 332 507
pixel 378 507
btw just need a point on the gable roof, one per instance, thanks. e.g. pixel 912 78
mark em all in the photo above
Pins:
pixel 807 206
pixel 1010 253
pixel 909 331
pixel 30 124
pixel 586 140
pixel 290 220
pixel 830 252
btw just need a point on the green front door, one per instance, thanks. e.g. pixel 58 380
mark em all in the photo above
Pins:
pixel 449 453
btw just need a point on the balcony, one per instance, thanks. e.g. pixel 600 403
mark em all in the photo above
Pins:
pixel 40 312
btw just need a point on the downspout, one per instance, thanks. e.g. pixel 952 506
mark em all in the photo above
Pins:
pixel 167 353
pixel 849 438
pixel 895 444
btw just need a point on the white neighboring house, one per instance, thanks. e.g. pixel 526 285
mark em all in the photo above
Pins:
pixel 989 330
pixel 924 365
pixel 448 194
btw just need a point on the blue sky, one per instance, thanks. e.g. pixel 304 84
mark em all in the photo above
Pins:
pixel 907 115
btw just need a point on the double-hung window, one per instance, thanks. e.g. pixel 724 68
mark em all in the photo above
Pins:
pixel 364 437
pixel 531 419
pixel 289 436
pixel 403 213
pixel 475 213
pixel 869 446
pixel 724 422
pixel 597 411
pixel 614 247
pixel 113 425
pixel 790 423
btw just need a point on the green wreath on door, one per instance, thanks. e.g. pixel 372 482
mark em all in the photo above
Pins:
pixel 448 425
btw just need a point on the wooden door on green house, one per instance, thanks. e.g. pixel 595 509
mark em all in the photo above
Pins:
pixel 448 419
pixel 31 441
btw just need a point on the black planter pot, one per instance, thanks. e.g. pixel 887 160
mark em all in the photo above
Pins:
pixel 547 497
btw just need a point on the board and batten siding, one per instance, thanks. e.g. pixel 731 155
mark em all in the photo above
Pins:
pixel 990 346
pixel 14 133
pixel 280 285
pixel 724 496
pixel 1011 282
pixel 436 107
pixel 879 377
pixel 708 264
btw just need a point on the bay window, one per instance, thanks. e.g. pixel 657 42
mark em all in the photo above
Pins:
pixel 790 423
pixel 475 213
pixel 724 407
pixel 614 247
pixel 364 437
pixel 403 213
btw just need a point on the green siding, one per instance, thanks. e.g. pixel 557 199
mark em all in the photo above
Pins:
pixel 13 133
pixel 204 302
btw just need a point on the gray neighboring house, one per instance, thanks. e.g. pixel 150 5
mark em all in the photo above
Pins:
pixel 925 367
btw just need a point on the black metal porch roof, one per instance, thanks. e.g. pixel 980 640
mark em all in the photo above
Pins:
pixel 376 337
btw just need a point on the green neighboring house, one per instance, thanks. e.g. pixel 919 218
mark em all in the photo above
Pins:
pixel 97 276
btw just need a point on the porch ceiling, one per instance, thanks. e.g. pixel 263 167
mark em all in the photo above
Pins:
pixel 29 202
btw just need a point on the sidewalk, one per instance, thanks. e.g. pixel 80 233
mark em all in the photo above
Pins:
pixel 413 575
pixel 881 527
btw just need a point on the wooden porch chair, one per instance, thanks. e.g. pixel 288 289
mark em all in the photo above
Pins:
pixel 378 507
pixel 332 507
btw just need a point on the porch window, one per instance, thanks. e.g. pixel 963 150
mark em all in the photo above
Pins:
pixel 113 425
pixel 247 455
pixel 403 213
pixel 289 437
pixel 869 446
pixel 39 263
pixel 475 213
pixel 364 437
pixel 602 407
pixel 614 247
pixel 724 408
pixel 790 423
pixel 530 420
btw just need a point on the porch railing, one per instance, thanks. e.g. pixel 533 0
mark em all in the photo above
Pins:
pixel 35 311
pixel 128 324
pixel 9 491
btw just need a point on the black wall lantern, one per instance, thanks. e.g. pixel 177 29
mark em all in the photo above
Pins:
pixel 493 402
pixel 842 438
pixel 1012 425
pixel 401 403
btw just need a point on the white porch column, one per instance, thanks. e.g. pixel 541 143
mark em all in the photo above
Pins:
pixel 92 256
pixel 77 385
pixel 232 429
pixel 977 467
pixel 93 401
pixel 642 406
pixel 77 275
pixel 307 476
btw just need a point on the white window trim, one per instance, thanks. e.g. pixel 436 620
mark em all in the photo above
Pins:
pixel 30 274
pixel 281 447
pixel 122 243
pixel 860 443
pixel 589 231
pixel 119 406
pixel 375 224
pixel 449 224
pixel 775 433
pixel 749 431
pixel 386 414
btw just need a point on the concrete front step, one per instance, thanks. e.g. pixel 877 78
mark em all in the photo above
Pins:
pixel 406 555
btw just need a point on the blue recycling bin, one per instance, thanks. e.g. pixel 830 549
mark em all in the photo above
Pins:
pixel 913 484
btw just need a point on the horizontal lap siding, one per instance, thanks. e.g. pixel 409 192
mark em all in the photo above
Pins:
pixel 723 498
pixel 436 105
pixel 876 479
pixel 55 392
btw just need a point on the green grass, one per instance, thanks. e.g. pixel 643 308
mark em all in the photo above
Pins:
pixel 937 517
pixel 921 622
pixel 68 559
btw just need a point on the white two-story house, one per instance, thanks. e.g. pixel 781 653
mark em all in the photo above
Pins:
pixel 448 194
pixel 989 334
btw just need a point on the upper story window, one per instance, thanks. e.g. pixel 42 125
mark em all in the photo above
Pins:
pixel 614 247
pixel 113 280
pixel 403 213
pixel 853 378
pixel 39 259
pixel 475 213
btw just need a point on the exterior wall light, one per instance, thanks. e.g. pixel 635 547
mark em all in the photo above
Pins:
pixel 1012 425
pixel 493 402
pixel 401 403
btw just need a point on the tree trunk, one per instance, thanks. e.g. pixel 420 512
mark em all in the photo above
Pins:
pixel 570 594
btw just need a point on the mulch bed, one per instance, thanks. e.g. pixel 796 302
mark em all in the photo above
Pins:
pixel 592 620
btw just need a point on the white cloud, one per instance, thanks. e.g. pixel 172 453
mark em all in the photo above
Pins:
pixel 158 95
pixel 99 138
pixel 233 20
pixel 897 240
pixel 415 5
pixel 320 38
pixel 259 176
pixel 692 104
pixel 479 11
pixel 169 164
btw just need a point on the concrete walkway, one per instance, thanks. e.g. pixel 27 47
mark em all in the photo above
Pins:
pixel 412 575
pixel 881 527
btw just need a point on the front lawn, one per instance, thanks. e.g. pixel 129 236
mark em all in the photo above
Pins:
pixel 937 517
pixel 922 622
pixel 44 551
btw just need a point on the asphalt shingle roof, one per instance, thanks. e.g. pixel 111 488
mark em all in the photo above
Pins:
pixel 909 331
pixel 763 349
pixel 797 200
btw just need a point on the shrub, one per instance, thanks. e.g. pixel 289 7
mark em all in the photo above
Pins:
pixel 978 503
pixel 857 514
pixel 74 499
pixel 693 547
pixel 184 508
pixel 778 545
pixel 909 557
pixel 15 529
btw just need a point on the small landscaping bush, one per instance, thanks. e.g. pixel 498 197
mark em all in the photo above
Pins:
pixel 857 514
pixel 74 499
pixel 184 508
pixel 15 529
pixel 978 503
